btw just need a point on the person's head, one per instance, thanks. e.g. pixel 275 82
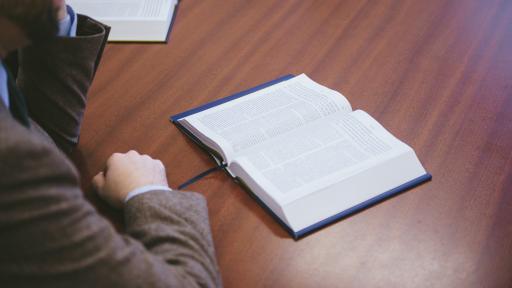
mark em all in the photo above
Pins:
pixel 25 21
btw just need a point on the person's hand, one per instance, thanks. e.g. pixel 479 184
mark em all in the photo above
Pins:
pixel 60 5
pixel 126 172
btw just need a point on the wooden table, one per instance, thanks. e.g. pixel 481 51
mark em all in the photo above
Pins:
pixel 437 74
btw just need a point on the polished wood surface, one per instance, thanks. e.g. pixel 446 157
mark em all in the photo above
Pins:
pixel 437 74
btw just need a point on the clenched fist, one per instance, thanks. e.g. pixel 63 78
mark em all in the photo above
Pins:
pixel 126 172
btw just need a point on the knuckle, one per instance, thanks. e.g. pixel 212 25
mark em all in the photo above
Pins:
pixel 159 164
pixel 113 157
pixel 146 159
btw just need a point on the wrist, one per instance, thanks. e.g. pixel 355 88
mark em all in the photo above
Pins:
pixel 145 189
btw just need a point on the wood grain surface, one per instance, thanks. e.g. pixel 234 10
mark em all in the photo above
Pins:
pixel 436 73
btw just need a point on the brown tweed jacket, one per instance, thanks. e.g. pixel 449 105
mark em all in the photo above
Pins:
pixel 50 236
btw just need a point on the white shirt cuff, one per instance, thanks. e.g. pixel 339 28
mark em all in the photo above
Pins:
pixel 145 189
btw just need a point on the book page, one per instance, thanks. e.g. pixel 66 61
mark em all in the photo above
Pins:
pixel 123 9
pixel 254 119
pixel 320 154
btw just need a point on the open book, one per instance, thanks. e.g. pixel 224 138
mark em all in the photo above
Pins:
pixel 131 20
pixel 303 152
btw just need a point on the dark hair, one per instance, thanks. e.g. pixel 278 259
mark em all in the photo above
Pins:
pixel 37 18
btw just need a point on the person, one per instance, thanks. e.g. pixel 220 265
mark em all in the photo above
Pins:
pixel 50 236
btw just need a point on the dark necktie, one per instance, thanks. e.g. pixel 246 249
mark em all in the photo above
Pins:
pixel 17 103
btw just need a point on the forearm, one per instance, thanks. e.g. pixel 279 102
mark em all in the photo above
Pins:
pixel 55 77
pixel 54 238
pixel 174 225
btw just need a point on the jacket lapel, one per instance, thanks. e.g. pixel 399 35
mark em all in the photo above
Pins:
pixel 17 104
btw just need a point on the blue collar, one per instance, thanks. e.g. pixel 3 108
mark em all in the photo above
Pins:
pixel 4 88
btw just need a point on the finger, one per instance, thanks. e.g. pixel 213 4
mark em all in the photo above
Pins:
pixel 98 181
pixel 111 159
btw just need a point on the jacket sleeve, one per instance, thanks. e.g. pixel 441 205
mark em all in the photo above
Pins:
pixel 55 77
pixel 52 237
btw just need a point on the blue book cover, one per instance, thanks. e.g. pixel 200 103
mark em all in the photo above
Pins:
pixel 220 162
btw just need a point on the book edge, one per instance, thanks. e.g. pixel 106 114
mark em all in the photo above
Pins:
pixel 153 41
pixel 265 207
pixel 296 235
pixel 216 158
pixel 363 205
pixel 171 24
